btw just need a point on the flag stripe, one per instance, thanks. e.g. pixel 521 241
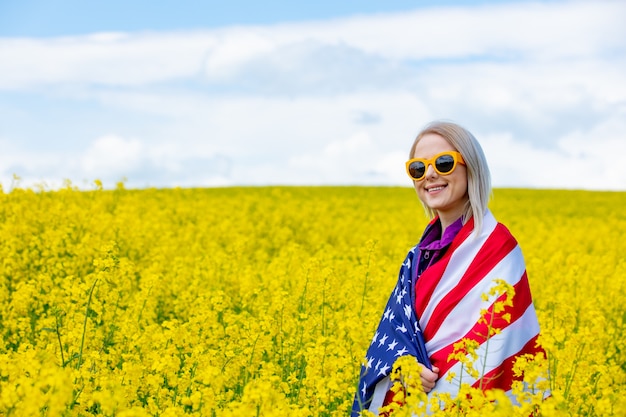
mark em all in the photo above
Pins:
pixel 521 301
pixel 427 283
pixel 510 342
pixel 441 282
pixel 467 313
pixel 502 377
pixel 493 251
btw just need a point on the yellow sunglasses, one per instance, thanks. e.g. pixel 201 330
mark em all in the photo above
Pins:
pixel 444 163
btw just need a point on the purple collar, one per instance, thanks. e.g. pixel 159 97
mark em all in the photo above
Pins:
pixel 432 239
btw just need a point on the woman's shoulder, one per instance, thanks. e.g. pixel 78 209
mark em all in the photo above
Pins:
pixel 503 231
pixel 499 229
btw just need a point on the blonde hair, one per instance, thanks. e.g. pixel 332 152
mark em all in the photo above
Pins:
pixel 478 176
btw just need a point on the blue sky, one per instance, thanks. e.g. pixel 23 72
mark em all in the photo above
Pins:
pixel 200 93
pixel 75 17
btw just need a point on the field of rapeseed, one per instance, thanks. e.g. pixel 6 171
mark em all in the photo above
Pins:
pixel 262 301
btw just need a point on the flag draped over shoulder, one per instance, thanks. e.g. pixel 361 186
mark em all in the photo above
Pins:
pixel 398 334
pixel 445 306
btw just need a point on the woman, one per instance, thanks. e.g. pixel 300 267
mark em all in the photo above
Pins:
pixel 439 299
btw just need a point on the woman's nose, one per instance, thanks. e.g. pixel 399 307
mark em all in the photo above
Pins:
pixel 430 171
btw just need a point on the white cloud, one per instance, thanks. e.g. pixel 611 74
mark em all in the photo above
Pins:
pixel 115 60
pixel 236 46
pixel 353 160
pixel 592 159
pixel 544 31
pixel 111 153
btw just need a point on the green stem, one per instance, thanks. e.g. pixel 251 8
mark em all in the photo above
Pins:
pixel 59 339
pixel 570 377
pixel 367 274
pixel 489 328
pixel 82 342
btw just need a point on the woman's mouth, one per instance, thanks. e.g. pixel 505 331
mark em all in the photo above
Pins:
pixel 435 188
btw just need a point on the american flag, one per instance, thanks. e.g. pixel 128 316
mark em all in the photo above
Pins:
pixel 449 303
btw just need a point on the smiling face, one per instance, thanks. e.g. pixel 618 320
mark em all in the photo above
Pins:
pixel 445 194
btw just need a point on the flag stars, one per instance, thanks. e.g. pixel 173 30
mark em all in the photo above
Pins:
pixel 392 345
pixel 397 323
pixel 407 311
pixel 384 369
pixel 402 351
pixel 382 340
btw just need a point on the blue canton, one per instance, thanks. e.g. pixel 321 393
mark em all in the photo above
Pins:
pixel 398 334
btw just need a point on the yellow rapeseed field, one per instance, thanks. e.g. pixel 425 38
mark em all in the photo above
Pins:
pixel 262 301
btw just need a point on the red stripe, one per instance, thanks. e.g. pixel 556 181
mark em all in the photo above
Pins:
pixel 389 399
pixel 499 244
pixel 502 377
pixel 521 301
pixel 426 284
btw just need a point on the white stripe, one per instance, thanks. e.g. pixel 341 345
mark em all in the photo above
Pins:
pixel 501 346
pixel 378 398
pixel 460 260
pixel 466 313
